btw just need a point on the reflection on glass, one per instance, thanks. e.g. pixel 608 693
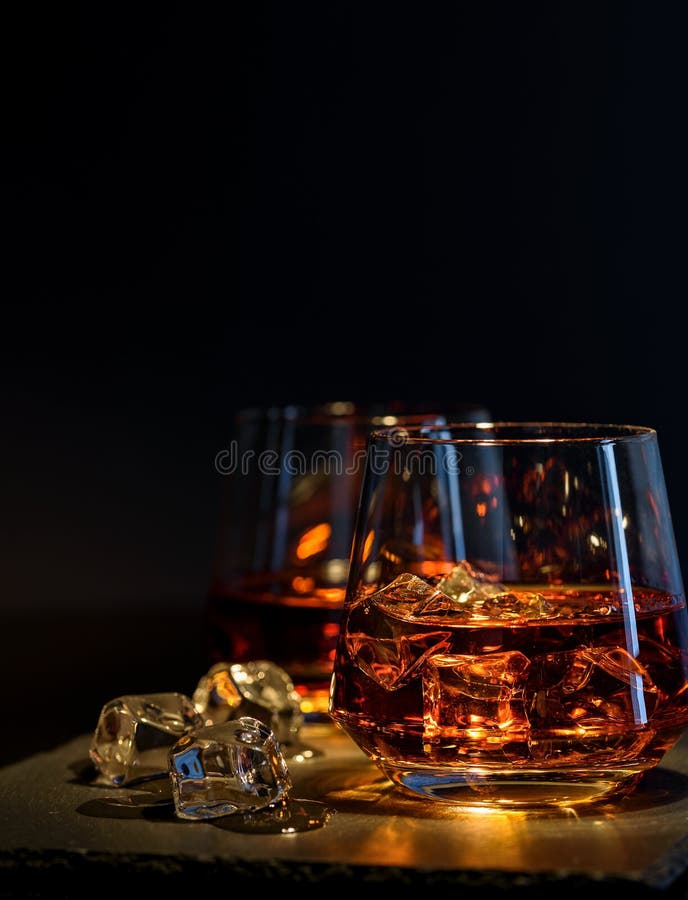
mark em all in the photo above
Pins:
pixel 515 629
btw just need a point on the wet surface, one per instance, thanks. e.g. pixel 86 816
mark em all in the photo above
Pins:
pixel 50 806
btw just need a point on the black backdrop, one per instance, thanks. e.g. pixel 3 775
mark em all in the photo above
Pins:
pixel 209 207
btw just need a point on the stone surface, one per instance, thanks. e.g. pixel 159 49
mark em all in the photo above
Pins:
pixel 56 826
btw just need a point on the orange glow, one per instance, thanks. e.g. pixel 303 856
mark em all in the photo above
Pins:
pixel 303 585
pixel 660 626
pixel 313 700
pixel 481 509
pixel 225 690
pixel 368 545
pixel 314 540
pixel 485 486
pixel 494 503
pixel 430 567
pixel 331 595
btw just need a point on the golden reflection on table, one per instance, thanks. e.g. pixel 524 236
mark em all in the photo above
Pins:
pixel 384 825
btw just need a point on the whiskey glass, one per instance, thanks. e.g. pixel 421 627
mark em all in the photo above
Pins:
pixel 291 484
pixel 514 631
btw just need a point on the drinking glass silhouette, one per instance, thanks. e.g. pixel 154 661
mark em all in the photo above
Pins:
pixel 293 480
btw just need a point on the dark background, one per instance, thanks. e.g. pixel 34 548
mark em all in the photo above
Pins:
pixel 207 208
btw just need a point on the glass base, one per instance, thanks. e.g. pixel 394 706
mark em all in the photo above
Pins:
pixel 515 789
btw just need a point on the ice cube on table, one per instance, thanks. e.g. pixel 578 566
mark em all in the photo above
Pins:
pixel 260 689
pixel 223 769
pixel 135 732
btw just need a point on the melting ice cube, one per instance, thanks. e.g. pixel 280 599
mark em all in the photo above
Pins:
pixel 465 584
pixel 135 732
pixel 480 597
pixel 390 649
pixel 223 769
pixel 393 632
pixel 410 597
pixel 588 688
pixel 260 689
pixel 473 692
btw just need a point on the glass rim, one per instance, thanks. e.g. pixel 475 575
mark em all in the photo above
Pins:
pixel 542 433
pixel 377 414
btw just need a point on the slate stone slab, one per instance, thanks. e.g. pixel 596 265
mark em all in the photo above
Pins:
pixel 59 832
